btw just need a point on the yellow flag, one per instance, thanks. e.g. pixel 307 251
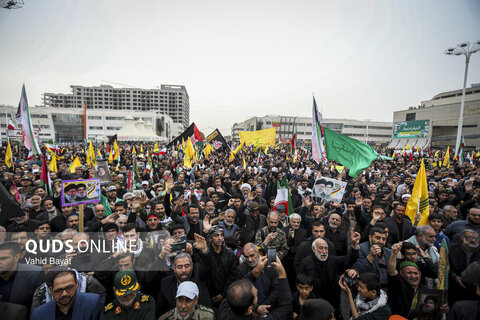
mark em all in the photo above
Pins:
pixel 53 164
pixel 134 151
pixel 393 155
pixel 74 164
pixel 156 147
pixel 99 154
pixel 141 148
pixel 8 155
pixel 477 155
pixel 265 137
pixel 446 159
pixel 340 168
pixel 244 163
pixel 234 152
pixel 436 154
pixel 403 151
pixel 116 150
pixel 208 149
pixel 434 164
pixel 110 156
pixel 91 160
pixel 419 200
pixel 407 147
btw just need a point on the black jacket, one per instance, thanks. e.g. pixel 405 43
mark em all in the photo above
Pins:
pixel 305 249
pixel 283 311
pixel 393 233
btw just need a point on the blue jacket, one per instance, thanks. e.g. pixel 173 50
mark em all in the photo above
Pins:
pixel 87 306
pixel 363 265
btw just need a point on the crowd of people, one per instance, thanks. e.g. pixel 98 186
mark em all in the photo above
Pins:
pixel 210 242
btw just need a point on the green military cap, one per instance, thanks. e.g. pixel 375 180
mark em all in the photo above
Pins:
pixel 125 282
pixel 25 177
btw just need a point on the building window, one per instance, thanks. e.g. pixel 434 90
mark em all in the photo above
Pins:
pixel 94 118
pixel 410 116
pixel 114 118
pixel 114 128
pixel 37 116
pixel 95 128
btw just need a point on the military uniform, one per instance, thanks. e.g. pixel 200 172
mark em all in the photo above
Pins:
pixel 200 313
pixel 143 307
pixel 279 242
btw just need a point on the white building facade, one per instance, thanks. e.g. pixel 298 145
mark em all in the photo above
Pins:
pixel 67 124
pixel 371 132
pixel 443 112
pixel 170 100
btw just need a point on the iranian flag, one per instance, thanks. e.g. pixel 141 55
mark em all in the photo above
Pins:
pixel 23 116
pixel 11 124
pixel 459 154
pixel 283 196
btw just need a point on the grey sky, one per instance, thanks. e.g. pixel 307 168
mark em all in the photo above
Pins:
pixel 361 59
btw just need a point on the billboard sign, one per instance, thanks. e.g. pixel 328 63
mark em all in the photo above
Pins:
pixel 411 129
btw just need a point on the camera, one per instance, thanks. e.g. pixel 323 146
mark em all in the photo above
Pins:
pixel 350 282
pixel 178 246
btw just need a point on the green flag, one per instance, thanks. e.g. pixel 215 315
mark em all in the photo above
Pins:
pixel 351 153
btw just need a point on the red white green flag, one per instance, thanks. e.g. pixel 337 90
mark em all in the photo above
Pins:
pixel 283 196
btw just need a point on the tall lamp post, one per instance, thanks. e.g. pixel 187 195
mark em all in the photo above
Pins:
pixel 467 49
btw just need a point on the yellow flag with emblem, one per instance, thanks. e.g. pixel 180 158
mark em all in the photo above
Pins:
pixel 419 202
pixel 53 164
pixel 446 158
pixel 259 138
pixel 74 164
pixel 91 160
pixel 116 150
pixel 8 155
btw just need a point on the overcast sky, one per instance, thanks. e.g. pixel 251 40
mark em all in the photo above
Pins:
pixel 362 59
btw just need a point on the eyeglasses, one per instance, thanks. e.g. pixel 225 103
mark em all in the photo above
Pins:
pixel 68 289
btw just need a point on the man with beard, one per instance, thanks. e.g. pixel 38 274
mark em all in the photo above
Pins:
pixel 448 216
pixel 70 193
pixel 191 221
pixel 158 209
pixel 265 279
pixel 67 303
pixel 186 270
pixel 242 299
pixel 402 284
pixel 59 223
pixel 326 269
pixel 424 238
pixel 272 236
pixel 454 230
pixel 399 227
pixel 225 265
pixel 337 236
pixel 373 256
pixel 81 192
pixel 187 307
pixel 129 303
pixel 461 255
pixel 253 222
pixel 72 221
pixel 228 223
pixel 50 210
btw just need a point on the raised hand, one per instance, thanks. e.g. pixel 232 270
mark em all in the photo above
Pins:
pixel 200 243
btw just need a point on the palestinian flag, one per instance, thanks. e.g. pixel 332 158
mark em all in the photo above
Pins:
pixel 283 196
pixel 45 178
pixel 192 132
pixel 459 154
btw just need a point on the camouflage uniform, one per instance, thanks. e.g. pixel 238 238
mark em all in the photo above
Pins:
pixel 280 241
pixel 200 313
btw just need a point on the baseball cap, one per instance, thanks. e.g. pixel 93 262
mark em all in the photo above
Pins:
pixel 125 282
pixel 144 182
pixel 281 208
pixel 111 188
pixel 187 289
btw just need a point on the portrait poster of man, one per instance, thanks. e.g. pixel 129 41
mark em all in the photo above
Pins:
pixel 328 189
pixel 80 191
pixel 102 172
pixel 426 304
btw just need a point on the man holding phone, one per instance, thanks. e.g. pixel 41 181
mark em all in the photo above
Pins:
pixel 272 236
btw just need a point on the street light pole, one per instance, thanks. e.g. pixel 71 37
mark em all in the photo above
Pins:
pixel 466 49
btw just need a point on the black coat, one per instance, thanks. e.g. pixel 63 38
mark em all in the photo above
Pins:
pixel 325 274
pixel 305 250
pixel 393 234
pixel 269 279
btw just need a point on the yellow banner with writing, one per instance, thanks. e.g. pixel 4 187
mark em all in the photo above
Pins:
pixel 259 138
